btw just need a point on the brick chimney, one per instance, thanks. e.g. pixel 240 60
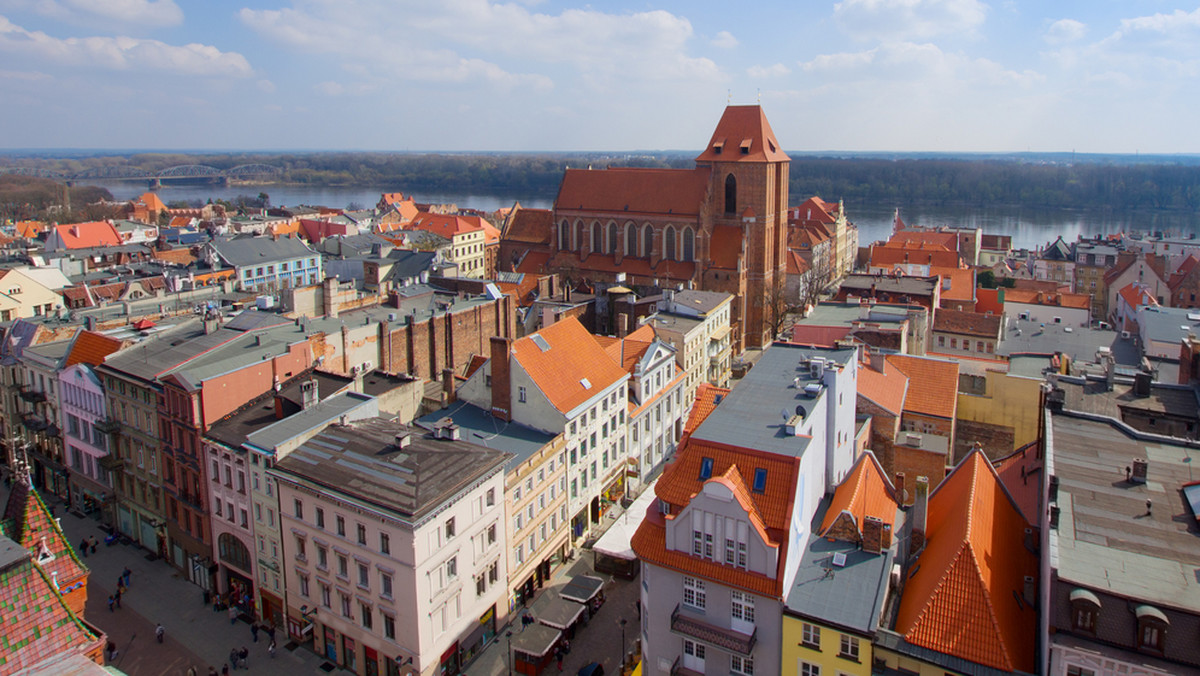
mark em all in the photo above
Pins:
pixel 330 294
pixel 448 385
pixel 920 514
pixel 501 378
pixel 872 535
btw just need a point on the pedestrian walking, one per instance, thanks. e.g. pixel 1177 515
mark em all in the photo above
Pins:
pixel 271 648
pixel 233 657
pixel 117 598
pixel 110 603
pixel 83 548
pixel 558 657
pixel 224 670
pixel 110 649
pixel 233 613
pixel 125 575
pixel 93 543
pixel 245 658
pixel 271 632
pixel 254 631
pixel 158 632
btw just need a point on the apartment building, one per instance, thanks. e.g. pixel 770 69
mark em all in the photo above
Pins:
pixel 395 546
pixel 84 407
pixel 264 264
pixel 697 325
pixel 40 413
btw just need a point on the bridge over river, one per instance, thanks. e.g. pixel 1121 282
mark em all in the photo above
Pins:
pixel 154 177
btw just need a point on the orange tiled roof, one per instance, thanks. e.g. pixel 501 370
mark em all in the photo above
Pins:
pixel 932 384
pixel 446 225
pixel 866 491
pixel 30 229
pixel 533 226
pixel 1185 269
pixel 178 256
pixel 152 202
pixel 1019 474
pixel 967 323
pixel 887 389
pixel 574 356
pixel 726 247
pixel 88 235
pixel 628 350
pixel 678 192
pixel 707 398
pixel 770 510
pixel 1073 300
pixel 27 521
pixel 814 209
pixel 960 598
pixel 962 283
pixel 91 348
pixel 795 264
pixel 988 300
pixel 534 263
pixel 743 135
pixel 1136 295
pixel 946 240
pixel 914 253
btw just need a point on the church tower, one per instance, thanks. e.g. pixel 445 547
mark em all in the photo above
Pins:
pixel 748 189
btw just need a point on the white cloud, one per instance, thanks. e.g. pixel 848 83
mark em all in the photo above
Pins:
pixel 922 66
pixel 121 53
pixel 725 40
pixel 479 40
pixel 25 75
pixel 1065 30
pixel 129 15
pixel 908 19
pixel 265 86
pixel 776 70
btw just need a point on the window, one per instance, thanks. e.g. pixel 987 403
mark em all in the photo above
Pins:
pixel 849 648
pixel 385 584
pixel 389 627
pixel 304 586
pixel 364 576
pixel 693 649
pixel 362 534
pixel 449 528
pixel 741 665
pixel 322 557
pixel 452 568
pixel 300 553
pixel 729 551
pixel 693 593
pixel 741 607
pixel 385 543
pixel 807 669
pixel 730 195
pixel 491 534
pixel 345 605
pixel 341 526
pixel 325 595
pixel 491 497
pixel 365 612
pixel 810 636
pixel 521 394
pixel 343 566
pixel 320 518
pixel 1079 671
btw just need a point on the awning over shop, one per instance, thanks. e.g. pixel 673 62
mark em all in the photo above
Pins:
pixel 559 613
pixel 616 541
pixel 582 588
pixel 536 639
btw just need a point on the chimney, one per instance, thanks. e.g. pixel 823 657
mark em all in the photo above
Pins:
pixel 920 514
pixel 877 360
pixel 448 385
pixel 885 540
pixel 501 378
pixel 901 488
pixel 308 394
pixel 872 535
pixel 278 406
pixel 330 289
pixel 622 324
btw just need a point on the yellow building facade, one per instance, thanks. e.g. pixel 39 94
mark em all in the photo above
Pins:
pixel 813 649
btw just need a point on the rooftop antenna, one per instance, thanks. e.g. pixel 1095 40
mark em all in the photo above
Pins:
pixel 728 96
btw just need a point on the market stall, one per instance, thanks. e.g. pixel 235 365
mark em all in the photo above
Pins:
pixel 587 590
pixel 560 613
pixel 614 551
pixel 533 649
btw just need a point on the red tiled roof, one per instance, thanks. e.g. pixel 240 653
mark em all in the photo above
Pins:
pixel 473 366
pixel 866 491
pixel 887 389
pixel 1135 295
pixel 679 192
pixel 446 225
pixel 532 226
pixel 534 263
pixel 91 348
pixel 30 229
pixel 1181 273
pixel 960 597
pixel 962 283
pixel 967 323
pixel 28 522
pixel 178 256
pixel 1019 473
pixel 725 249
pixel 795 264
pixel 36 624
pixel 743 135
pixel 946 240
pixel 707 398
pixel 814 209
pixel 574 356
pixel 88 235
pixel 819 336
pixel 1073 300
pixel 988 300
pixel 918 253
pixel 932 384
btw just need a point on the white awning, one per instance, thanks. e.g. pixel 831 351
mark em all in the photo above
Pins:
pixel 616 542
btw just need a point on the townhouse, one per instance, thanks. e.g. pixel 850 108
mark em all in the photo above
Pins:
pixel 697 325
pixel 265 264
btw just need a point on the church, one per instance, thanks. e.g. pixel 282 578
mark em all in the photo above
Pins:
pixel 721 226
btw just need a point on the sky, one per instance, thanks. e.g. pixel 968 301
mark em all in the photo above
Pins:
pixel 1094 76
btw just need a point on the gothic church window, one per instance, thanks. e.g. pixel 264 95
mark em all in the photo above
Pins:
pixel 689 245
pixel 730 195
pixel 631 240
pixel 597 238
pixel 669 243
pixel 578 235
pixel 612 238
pixel 647 240
pixel 564 235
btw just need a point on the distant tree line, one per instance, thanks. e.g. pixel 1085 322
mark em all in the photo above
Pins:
pixel 1058 183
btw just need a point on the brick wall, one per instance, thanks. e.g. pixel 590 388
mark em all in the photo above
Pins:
pixel 424 348
pixel 914 462
pixel 998 440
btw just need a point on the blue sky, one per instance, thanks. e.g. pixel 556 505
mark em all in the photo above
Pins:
pixel 889 75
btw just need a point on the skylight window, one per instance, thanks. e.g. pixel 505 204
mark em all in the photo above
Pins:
pixel 706 467
pixel 540 342
pixel 760 480
pixel 587 385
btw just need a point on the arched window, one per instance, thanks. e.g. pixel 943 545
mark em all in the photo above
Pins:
pixel 669 243
pixel 689 245
pixel 233 552
pixel 630 239
pixel 730 195
pixel 647 240
pixel 578 239
pixel 597 238
pixel 612 238
pixel 564 235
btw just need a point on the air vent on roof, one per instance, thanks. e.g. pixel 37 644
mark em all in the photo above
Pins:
pixel 839 559
pixel 587 385
pixel 540 342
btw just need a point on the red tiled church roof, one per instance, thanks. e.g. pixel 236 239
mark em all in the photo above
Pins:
pixel 676 192
pixel 743 135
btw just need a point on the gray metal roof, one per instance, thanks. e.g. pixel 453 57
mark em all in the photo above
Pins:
pixel 1105 540
pixel 11 552
pixel 260 250
pixel 849 596
pixel 846 314
pixel 752 415
pixel 1025 337
pixel 479 427
pixel 361 460
pixel 259 424
pixel 1168 324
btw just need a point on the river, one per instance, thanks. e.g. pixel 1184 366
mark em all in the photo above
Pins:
pixel 1029 228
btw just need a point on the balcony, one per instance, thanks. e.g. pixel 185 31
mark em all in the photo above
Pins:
pixel 108 426
pixel 112 462
pixel 726 639
pixel 31 395
pixel 33 422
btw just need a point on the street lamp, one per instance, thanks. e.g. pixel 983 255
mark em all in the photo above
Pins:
pixel 622 644
pixel 508 655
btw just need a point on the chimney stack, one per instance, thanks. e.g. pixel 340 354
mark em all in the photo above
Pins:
pixel 501 378
pixel 872 535
pixel 920 514
pixel 901 489
pixel 331 288
pixel 448 385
